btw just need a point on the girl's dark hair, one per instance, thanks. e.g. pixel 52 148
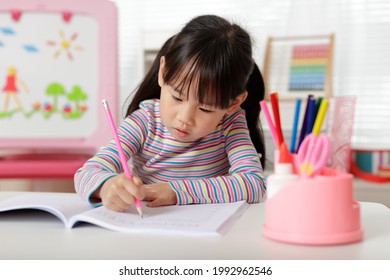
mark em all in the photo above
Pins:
pixel 216 56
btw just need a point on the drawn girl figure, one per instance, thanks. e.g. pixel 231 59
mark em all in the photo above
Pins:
pixel 10 88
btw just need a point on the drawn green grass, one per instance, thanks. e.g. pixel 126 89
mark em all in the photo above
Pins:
pixel 55 91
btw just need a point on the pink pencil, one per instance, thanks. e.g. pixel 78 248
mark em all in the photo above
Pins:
pixel 271 126
pixel 120 151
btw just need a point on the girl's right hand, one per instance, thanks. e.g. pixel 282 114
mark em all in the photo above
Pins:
pixel 118 192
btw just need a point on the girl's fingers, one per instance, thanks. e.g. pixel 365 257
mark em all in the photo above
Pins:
pixel 137 181
pixel 149 193
pixel 115 205
pixel 134 188
pixel 156 202
pixel 118 192
pixel 125 196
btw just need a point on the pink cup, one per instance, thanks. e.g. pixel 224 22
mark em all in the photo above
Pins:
pixel 315 211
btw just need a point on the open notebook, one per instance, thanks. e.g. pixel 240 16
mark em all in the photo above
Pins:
pixel 195 219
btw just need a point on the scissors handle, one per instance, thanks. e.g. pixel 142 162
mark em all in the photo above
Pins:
pixel 305 148
pixel 320 154
pixel 313 154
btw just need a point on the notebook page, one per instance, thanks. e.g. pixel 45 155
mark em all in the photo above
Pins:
pixel 209 219
pixel 63 207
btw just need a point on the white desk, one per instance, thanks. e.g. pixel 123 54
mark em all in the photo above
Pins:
pixel 38 235
pixel 372 192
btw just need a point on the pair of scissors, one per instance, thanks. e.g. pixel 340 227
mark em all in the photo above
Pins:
pixel 313 154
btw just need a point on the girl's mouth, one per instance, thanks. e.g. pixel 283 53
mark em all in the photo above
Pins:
pixel 180 132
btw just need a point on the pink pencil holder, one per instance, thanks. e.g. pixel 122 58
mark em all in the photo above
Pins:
pixel 315 211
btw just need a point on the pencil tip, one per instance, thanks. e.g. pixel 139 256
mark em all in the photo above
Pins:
pixel 140 212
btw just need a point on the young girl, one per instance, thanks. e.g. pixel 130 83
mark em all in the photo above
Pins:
pixel 192 130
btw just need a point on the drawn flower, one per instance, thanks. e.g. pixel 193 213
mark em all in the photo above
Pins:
pixel 83 107
pixel 67 109
pixel 36 105
pixel 47 107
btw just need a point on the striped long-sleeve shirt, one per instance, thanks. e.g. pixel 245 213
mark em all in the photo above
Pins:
pixel 221 167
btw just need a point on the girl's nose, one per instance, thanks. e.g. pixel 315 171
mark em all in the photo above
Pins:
pixel 186 115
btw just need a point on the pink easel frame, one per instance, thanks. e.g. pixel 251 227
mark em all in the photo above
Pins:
pixel 62 157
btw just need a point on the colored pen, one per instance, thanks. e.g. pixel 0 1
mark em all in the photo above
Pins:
pixel 304 123
pixel 271 126
pixel 318 103
pixel 120 151
pixel 275 108
pixel 310 116
pixel 295 125
pixel 320 117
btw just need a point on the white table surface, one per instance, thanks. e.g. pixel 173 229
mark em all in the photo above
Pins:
pixel 39 235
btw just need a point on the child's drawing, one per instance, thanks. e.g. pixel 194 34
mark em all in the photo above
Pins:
pixel 5 31
pixel 11 89
pixel 65 45
pixel 49 75
pixel 74 106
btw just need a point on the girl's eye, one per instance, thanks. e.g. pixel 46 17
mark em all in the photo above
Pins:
pixel 176 98
pixel 205 110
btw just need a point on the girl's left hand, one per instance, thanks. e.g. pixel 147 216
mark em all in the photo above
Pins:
pixel 159 194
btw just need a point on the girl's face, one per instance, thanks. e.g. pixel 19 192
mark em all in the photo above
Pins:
pixel 185 118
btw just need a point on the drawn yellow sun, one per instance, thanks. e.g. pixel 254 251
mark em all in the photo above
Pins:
pixel 65 45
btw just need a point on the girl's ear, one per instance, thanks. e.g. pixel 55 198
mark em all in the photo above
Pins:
pixel 237 103
pixel 161 71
